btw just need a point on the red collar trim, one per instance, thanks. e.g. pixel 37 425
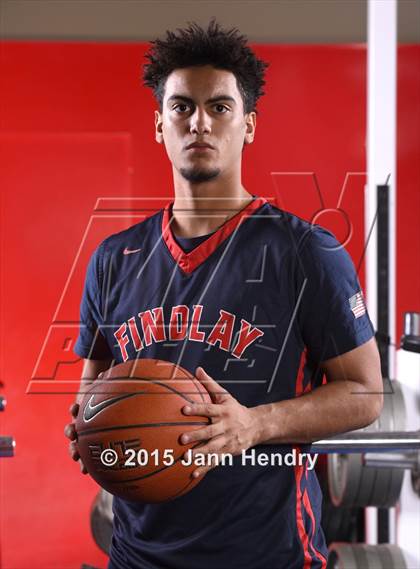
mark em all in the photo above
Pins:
pixel 188 262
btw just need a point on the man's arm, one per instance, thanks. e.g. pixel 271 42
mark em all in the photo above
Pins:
pixel 351 399
pixel 91 371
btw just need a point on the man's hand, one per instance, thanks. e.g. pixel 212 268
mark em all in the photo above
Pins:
pixel 92 369
pixel 70 433
pixel 233 428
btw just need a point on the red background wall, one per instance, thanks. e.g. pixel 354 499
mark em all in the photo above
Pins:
pixel 77 129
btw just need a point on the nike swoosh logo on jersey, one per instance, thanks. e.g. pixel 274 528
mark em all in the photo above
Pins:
pixel 129 251
pixel 90 411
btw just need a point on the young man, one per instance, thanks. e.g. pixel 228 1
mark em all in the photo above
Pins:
pixel 255 301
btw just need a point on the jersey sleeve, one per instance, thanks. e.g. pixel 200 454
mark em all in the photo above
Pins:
pixel 331 314
pixel 91 343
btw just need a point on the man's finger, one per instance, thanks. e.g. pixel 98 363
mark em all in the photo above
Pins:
pixel 202 434
pixel 70 431
pixel 200 472
pixel 74 409
pixel 74 453
pixel 215 446
pixel 205 409
pixel 216 391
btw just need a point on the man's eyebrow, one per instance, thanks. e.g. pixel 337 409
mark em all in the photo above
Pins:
pixel 212 100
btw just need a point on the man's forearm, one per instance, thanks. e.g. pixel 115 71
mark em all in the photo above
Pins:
pixel 333 408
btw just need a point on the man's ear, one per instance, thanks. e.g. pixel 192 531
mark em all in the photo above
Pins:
pixel 251 124
pixel 158 127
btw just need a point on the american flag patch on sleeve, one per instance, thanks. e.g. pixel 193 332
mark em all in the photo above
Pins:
pixel 357 304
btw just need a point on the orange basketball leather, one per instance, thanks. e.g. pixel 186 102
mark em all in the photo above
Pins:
pixel 138 405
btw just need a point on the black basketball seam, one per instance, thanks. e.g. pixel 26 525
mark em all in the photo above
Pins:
pixel 141 425
pixel 151 473
pixel 195 381
pixel 155 382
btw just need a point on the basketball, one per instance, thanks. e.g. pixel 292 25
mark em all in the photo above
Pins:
pixel 129 426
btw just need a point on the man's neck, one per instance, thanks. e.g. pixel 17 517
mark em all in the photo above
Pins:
pixel 199 213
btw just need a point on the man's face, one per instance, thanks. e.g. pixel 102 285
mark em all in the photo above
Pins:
pixel 204 105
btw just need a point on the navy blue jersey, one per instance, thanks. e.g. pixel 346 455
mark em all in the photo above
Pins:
pixel 258 304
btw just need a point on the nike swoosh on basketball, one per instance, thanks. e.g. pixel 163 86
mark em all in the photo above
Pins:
pixel 90 411
pixel 129 251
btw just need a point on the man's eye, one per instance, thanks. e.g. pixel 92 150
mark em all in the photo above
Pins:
pixel 221 107
pixel 180 105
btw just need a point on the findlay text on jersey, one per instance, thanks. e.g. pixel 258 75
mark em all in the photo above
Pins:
pixel 183 324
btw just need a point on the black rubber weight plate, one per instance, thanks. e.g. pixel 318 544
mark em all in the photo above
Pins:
pixel 353 484
pixel 101 520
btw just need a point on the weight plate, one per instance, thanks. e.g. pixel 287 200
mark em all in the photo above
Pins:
pixel 367 556
pixel 105 504
pixel 398 404
pixel 392 556
pixel 395 407
pixel 341 557
pixel 338 524
pixel 101 520
pixel 389 480
pixel 361 556
pixel 350 482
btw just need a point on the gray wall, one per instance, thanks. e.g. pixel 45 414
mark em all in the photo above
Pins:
pixel 263 21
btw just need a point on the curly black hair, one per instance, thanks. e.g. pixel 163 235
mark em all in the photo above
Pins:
pixel 195 46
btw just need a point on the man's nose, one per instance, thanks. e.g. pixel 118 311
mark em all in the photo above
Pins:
pixel 200 122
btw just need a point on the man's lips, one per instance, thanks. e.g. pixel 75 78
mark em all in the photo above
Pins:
pixel 199 146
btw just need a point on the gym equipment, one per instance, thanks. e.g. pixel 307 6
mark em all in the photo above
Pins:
pixel 381 442
pixel 129 427
pixel 338 524
pixel 351 481
pixel 7 444
pixel 101 517
pixel 410 340
pixel 403 461
pixel 361 556
pixel 7 447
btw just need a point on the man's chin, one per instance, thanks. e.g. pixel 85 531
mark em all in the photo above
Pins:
pixel 199 175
